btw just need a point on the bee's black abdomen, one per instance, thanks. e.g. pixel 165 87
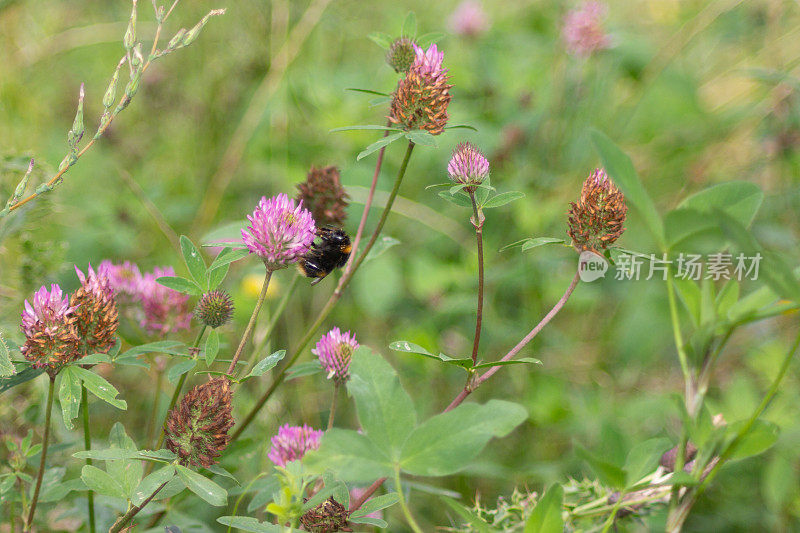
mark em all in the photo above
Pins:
pixel 332 252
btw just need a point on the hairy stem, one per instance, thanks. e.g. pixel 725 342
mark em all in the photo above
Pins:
pixel 477 221
pixel 127 517
pixel 331 303
pixel 250 325
pixel 87 445
pixel 32 511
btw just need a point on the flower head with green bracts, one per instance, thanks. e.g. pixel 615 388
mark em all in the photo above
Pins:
pixel 215 308
pixel 468 165
pixel 335 349
pixel 197 429
pixel 401 54
pixel 280 231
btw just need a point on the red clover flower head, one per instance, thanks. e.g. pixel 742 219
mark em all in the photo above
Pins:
pixel 165 310
pixel 583 30
pixel 51 340
pixel 280 231
pixel 335 349
pixel 292 442
pixel 468 165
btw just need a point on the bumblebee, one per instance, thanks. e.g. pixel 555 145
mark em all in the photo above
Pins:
pixel 332 252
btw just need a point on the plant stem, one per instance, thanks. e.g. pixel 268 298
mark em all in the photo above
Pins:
pixel 367 204
pixel 679 345
pixel 409 517
pixel 477 221
pixel 152 426
pixel 355 505
pixel 472 385
pixel 705 374
pixel 124 519
pixel 32 511
pixel 241 497
pixel 771 392
pixel 249 330
pixel 679 515
pixel 614 510
pixel 87 445
pixel 333 405
pixel 273 320
pixel 176 394
pixel 331 303
pixel 469 387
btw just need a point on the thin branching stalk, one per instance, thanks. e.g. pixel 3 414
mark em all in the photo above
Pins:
pixel 520 345
pixel 104 125
pixel 250 325
pixel 689 398
pixel 332 301
pixel 477 382
pixel 133 511
pixel 614 510
pixel 49 409
pixel 477 221
pixel 87 445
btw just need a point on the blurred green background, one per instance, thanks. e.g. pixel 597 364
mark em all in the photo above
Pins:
pixel 696 92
